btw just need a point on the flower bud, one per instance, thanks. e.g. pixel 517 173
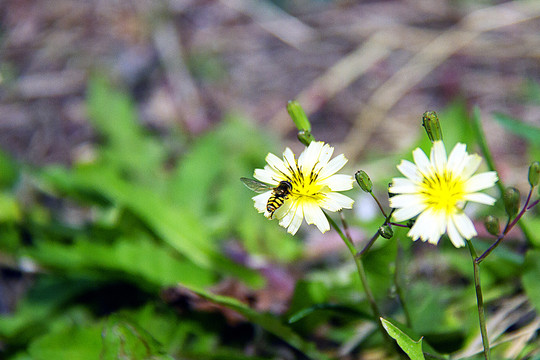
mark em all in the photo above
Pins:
pixel 430 121
pixel 386 231
pixel 298 115
pixel 362 178
pixel 492 225
pixel 534 173
pixel 511 200
pixel 305 137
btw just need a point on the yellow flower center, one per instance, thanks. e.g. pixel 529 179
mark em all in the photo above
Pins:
pixel 306 187
pixel 443 192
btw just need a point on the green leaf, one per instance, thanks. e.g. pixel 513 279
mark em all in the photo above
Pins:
pixel 338 308
pixel 412 348
pixel 267 321
pixel 73 342
pixel 125 339
pixel 515 126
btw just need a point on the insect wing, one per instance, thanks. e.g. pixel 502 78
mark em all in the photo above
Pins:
pixel 256 185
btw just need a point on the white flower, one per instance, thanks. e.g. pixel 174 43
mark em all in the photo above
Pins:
pixel 436 189
pixel 314 186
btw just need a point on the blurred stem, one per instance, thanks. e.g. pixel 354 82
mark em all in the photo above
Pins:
pixel 481 140
pixel 378 203
pixel 397 283
pixel 362 274
pixel 479 301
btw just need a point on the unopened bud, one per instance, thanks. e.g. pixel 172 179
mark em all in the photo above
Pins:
pixel 305 137
pixel 492 225
pixel 430 121
pixel 362 178
pixel 511 200
pixel 386 231
pixel 298 116
pixel 534 173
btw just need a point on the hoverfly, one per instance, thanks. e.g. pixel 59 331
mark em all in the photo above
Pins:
pixel 280 193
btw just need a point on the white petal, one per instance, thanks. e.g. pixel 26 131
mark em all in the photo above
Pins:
pixel 334 201
pixel 480 198
pixel 410 170
pixel 472 162
pixel 296 221
pixel 310 156
pixel 438 156
pixel 277 164
pixel 267 176
pixel 456 160
pixel 338 182
pixel 403 186
pixel 287 213
pixel 481 181
pixel 314 215
pixel 261 200
pixel 454 235
pixel 289 161
pixel 428 227
pixel 422 162
pixel 283 209
pixel 406 200
pixel 408 212
pixel 332 167
pixel 464 225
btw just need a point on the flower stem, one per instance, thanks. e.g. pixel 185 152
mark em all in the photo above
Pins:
pixel 507 228
pixel 479 301
pixel 362 274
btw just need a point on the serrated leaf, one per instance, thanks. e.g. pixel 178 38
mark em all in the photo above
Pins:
pixel 412 348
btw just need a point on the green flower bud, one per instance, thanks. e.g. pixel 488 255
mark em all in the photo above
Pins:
pixel 386 231
pixel 430 121
pixel 305 137
pixel 362 178
pixel 511 200
pixel 534 173
pixel 492 225
pixel 298 116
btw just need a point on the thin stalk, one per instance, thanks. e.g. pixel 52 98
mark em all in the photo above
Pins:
pixel 362 274
pixel 507 228
pixel 378 203
pixel 480 301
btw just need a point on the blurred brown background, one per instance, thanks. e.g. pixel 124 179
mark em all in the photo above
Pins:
pixel 364 71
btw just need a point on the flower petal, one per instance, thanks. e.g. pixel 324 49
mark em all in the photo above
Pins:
pixel 403 186
pixel 261 200
pixel 464 225
pixel 456 160
pixel 338 182
pixel 438 156
pixel 277 165
pixel 332 166
pixel 268 176
pixel 314 215
pixel 481 181
pixel 480 198
pixel 472 163
pixel 422 162
pixel 454 235
pixel 334 201
pixel 410 170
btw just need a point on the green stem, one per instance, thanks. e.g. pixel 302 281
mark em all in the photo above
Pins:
pixel 399 289
pixel 479 301
pixel 362 274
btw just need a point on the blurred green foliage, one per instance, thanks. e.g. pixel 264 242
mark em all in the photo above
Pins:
pixel 101 240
